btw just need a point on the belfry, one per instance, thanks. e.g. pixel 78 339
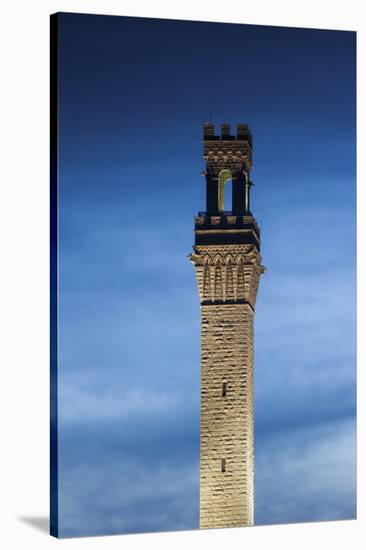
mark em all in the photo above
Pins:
pixel 228 267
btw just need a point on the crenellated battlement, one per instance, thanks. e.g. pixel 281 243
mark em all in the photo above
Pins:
pixel 242 133
pixel 226 151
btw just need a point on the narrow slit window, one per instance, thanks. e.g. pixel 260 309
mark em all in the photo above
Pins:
pixel 224 389
pixel 223 465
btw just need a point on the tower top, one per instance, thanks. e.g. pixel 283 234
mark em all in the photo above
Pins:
pixel 227 151
pixel 242 133
pixel 228 160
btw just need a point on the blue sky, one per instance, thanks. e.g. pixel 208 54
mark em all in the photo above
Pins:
pixel 133 96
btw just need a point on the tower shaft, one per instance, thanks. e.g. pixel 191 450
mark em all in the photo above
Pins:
pixel 226 497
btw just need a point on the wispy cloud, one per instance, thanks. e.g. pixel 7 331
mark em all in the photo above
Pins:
pixel 99 403
pixel 124 492
pixel 306 474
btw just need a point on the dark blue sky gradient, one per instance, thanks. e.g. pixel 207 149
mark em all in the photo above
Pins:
pixel 133 96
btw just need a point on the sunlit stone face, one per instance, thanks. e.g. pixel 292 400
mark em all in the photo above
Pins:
pixel 228 267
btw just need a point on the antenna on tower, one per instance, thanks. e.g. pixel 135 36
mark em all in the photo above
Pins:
pixel 210 115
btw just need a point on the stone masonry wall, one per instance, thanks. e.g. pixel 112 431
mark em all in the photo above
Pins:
pixel 227 357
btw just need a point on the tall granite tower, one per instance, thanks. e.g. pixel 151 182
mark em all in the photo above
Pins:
pixel 228 267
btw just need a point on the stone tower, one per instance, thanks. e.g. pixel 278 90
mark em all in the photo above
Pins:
pixel 228 267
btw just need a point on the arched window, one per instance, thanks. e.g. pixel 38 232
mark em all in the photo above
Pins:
pixel 225 191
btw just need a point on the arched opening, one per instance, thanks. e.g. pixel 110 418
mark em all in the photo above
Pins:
pixel 228 195
pixel 225 191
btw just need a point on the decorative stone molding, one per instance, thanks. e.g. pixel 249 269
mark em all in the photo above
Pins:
pixel 226 274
